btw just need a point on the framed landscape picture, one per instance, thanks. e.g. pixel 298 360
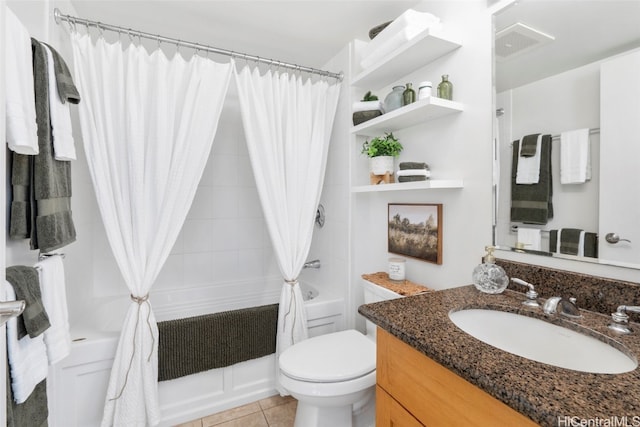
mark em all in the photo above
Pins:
pixel 415 230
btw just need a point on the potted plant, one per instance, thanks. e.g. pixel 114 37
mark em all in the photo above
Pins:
pixel 381 151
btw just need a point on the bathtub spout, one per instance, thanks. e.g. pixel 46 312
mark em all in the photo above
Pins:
pixel 312 264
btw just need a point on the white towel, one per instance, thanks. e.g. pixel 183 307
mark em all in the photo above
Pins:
pixel 21 128
pixel 27 357
pixel 575 157
pixel 530 238
pixel 529 167
pixel 367 106
pixel 403 29
pixel 54 297
pixel 63 144
pixel 414 172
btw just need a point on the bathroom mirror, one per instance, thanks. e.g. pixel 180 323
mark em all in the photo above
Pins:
pixel 547 59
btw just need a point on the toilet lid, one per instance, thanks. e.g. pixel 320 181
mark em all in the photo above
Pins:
pixel 339 356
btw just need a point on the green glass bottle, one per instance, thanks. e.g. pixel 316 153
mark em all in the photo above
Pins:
pixel 445 88
pixel 409 95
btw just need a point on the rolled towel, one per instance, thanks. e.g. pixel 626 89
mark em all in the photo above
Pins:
pixel 367 106
pixel 413 165
pixel 363 116
pixel 414 172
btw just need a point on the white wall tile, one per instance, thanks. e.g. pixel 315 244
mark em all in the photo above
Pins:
pixel 198 269
pixel 197 235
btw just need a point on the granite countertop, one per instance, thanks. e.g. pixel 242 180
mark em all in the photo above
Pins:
pixel 545 393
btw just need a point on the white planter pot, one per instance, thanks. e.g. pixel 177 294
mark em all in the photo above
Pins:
pixel 381 165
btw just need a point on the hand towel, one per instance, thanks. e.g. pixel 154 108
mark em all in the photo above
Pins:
pixel 32 412
pixel 530 238
pixel 588 242
pixel 27 357
pixel 413 165
pixel 413 172
pixel 51 178
pixel 67 90
pixel 533 203
pixel 528 171
pixel 529 146
pixel 575 157
pixel 359 106
pixel 21 203
pixel 61 132
pixel 21 131
pixel 57 338
pixel 26 286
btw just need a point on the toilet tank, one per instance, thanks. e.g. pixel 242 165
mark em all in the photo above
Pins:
pixel 375 293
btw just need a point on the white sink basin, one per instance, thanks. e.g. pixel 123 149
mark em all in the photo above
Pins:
pixel 543 342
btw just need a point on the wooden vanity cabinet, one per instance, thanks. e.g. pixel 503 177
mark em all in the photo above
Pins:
pixel 413 390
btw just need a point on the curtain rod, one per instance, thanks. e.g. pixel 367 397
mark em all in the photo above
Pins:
pixel 58 16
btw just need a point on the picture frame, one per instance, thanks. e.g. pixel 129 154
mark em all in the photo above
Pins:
pixel 415 231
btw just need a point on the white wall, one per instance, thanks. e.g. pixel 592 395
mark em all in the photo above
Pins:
pixel 455 146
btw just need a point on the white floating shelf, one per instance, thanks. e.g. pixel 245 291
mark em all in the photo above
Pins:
pixel 420 185
pixel 410 115
pixel 419 51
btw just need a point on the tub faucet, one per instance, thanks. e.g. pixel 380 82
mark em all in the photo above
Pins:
pixel 620 319
pixel 312 264
pixel 566 307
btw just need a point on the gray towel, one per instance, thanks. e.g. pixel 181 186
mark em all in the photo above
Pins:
pixel 51 178
pixel 20 215
pixel 532 203
pixel 66 88
pixel 529 145
pixel 26 285
pixel 569 243
pixel 413 165
pixel 412 178
pixel 33 412
pixel 363 116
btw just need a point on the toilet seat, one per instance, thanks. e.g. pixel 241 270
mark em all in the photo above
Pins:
pixel 335 357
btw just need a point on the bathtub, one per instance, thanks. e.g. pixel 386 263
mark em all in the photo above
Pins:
pixel 77 385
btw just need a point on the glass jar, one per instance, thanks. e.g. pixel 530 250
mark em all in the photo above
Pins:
pixel 424 90
pixel 393 100
pixel 409 95
pixel 445 88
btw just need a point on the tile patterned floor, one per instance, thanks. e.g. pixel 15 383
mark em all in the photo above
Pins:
pixel 275 411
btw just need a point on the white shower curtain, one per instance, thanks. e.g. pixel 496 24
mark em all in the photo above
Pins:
pixel 148 123
pixel 287 122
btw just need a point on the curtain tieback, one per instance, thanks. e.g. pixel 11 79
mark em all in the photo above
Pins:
pixel 139 300
pixel 291 282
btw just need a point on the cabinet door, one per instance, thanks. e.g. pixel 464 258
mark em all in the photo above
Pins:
pixel 620 158
pixel 390 413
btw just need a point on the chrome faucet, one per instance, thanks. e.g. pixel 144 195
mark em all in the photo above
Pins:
pixel 563 306
pixel 532 295
pixel 312 264
pixel 620 319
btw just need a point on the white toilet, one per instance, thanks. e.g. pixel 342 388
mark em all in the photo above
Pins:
pixel 333 376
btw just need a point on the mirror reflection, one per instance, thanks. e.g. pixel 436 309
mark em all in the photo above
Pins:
pixel 567 81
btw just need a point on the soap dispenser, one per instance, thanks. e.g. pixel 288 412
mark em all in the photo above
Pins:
pixel 489 277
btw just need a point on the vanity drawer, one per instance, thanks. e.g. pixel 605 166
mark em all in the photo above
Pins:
pixel 433 394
